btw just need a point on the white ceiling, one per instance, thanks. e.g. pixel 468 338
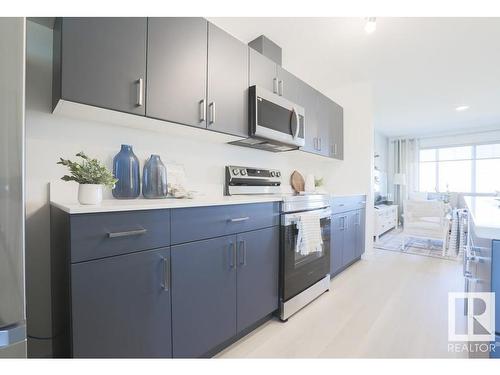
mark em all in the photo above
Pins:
pixel 420 68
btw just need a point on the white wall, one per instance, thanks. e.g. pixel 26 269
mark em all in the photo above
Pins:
pixel 52 136
pixel 355 173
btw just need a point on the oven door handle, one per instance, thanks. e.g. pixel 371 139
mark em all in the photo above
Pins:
pixel 290 219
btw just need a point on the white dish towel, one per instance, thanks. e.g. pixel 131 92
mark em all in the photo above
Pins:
pixel 309 237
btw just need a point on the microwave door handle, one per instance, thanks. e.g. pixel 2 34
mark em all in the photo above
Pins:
pixel 298 123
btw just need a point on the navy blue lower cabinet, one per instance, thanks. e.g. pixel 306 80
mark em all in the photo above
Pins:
pixel 120 289
pixel 216 221
pixel 257 280
pixel 121 306
pixel 347 239
pixel 336 243
pixel 360 232
pixel 349 250
pixel 495 288
pixel 496 353
pixel 203 295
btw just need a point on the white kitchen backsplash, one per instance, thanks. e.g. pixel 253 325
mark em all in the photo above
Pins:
pixel 196 157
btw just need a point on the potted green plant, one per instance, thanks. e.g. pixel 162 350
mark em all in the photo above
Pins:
pixel 91 176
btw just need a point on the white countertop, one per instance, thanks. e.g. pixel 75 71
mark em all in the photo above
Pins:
pixel 66 201
pixel 113 205
pixel 485 213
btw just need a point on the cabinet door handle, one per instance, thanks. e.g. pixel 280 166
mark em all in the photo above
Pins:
pixel 239 219
pixel 202 110
pixel 128 233
pixel 334 149
pixel 346 223
pixel 280 87
pixel 319 142
pixel 232 255
pixel 140 94
pixel 211 113
pixel 243 253
pixel 275 85
pixel 166 274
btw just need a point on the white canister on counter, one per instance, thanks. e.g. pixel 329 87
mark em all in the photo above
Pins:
pixel 309 186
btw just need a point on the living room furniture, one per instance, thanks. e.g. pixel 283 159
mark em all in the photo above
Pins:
pixel 426 219
pixel 386 218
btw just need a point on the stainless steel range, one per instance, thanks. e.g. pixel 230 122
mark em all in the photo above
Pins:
pixel 302 278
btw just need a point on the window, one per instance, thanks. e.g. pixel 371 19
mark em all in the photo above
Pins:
pixel 467 169
pixel 487 168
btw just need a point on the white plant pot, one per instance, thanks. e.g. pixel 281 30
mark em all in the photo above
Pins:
pixel 90 194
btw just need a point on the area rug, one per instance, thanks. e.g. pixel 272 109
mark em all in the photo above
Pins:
pixel 392 240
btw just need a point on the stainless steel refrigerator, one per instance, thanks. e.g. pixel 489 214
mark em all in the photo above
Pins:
pixel 12 87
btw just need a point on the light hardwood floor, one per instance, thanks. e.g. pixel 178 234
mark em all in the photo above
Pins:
pixel 389 305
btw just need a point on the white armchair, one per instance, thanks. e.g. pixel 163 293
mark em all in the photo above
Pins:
pixel 425 219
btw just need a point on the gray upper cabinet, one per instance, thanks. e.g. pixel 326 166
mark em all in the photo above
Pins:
pixel 182 70
pixel 177 70
pixel 309 99
pixel 101 62
pixel 227 83
pixel 203 295
pixel 121 306
pixel 262 71
pixel 258 265
pixel 289 86
pixel 324 124
pixel 336 140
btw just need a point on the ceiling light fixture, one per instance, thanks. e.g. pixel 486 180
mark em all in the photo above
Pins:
pixel 371 25
pixel 462 108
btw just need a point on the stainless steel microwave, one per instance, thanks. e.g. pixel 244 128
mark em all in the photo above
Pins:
pixel 275 123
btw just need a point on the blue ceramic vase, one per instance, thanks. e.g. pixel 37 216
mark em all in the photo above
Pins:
pixel 154 178
pixel 126 170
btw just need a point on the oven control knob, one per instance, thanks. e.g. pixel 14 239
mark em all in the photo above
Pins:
pixel 273 173
pixel 236 171
pixel 243 172
pixel 278 174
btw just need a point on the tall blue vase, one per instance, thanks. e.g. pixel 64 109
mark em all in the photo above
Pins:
pixel 154 178
pixel 126 170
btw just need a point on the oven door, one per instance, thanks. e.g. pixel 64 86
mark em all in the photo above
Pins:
pixel 275 118
pixel 299 272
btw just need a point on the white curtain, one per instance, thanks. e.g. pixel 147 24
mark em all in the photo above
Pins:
pixel 403 159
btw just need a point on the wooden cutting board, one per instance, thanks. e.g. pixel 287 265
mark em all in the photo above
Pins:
pixel 297 181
